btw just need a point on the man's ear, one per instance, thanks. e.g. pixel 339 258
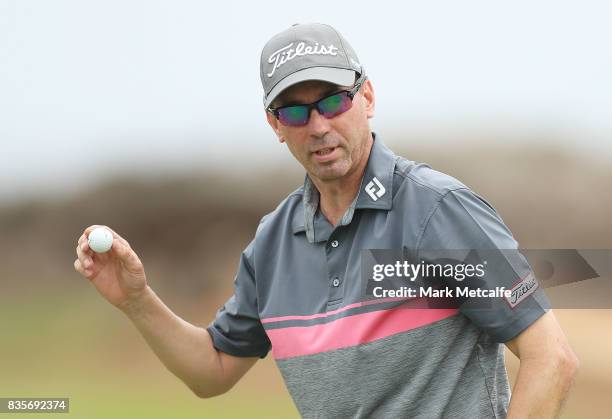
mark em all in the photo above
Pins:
pixel 368 95
pixel 273 122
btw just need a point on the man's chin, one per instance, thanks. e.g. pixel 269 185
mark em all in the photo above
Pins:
pixel 331 172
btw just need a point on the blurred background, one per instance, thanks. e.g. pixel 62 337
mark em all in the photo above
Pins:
pixel 147 117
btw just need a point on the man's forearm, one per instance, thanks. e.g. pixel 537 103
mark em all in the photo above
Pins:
pixel 541 387
pixel 186 350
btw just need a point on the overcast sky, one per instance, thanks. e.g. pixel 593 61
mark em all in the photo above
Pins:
pixel 88 88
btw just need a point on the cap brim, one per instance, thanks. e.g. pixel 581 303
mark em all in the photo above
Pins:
pixel 339 76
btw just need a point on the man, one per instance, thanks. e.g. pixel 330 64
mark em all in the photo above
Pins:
pixel 299 292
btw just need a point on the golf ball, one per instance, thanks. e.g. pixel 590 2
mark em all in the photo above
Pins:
pixel 100 240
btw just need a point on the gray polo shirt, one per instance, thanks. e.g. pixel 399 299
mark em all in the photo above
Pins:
pixel 299 292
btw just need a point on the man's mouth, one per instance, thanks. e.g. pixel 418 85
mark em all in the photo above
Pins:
pixel 325 151
pixel 326 155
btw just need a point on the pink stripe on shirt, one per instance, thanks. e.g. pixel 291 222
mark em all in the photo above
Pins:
pixel 351 331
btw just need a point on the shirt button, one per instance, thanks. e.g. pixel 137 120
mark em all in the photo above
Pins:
pixel 336 282
pixel 335 243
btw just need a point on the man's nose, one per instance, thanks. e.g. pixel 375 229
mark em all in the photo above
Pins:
pixel 318 124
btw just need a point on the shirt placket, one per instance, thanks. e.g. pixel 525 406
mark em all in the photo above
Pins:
pixel 336 269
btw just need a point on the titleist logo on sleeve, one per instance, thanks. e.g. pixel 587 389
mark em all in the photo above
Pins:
pixel 522 290
pixel 287 53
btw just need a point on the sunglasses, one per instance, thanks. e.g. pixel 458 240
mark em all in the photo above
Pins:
pixel 329 106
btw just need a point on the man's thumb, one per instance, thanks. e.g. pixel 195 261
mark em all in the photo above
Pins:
pixel 127 256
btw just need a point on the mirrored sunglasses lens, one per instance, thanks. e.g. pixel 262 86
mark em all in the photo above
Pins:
pixel 293 115
pixel 335 105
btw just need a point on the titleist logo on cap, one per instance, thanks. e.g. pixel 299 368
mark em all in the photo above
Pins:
pixel 287 53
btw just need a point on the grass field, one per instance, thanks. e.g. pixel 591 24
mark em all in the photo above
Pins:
pixel 61 346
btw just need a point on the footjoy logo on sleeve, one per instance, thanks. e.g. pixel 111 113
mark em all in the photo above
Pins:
pixel 522 290
pixel 287 53
pixel 375 189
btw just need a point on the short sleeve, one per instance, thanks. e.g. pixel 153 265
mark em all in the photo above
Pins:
pixel 236 329
pixel 463 220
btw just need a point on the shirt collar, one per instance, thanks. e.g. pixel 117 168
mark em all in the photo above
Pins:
pixel 375 191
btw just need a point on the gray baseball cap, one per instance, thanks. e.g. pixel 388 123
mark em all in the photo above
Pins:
pixel 303 52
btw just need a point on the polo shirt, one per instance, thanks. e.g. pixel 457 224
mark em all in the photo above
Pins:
pixel 342 354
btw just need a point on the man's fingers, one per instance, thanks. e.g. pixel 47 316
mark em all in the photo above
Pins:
pixel 83 249
pixel 120 248
pixel 78 266
pixel 83 243
pixel 84 254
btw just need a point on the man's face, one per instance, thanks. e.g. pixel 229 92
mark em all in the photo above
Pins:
pixel 329 149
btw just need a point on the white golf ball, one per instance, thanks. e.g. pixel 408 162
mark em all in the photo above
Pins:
pixel 100 240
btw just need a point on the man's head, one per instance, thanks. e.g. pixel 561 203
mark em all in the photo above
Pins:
pixel 313 65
